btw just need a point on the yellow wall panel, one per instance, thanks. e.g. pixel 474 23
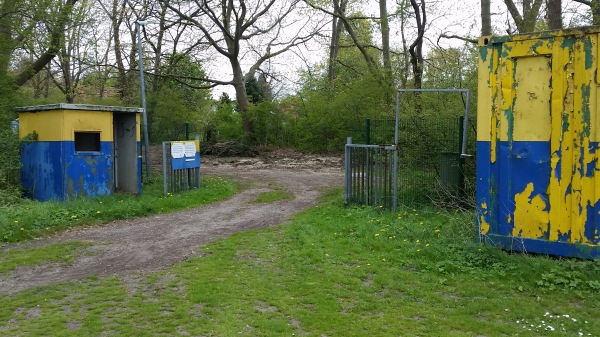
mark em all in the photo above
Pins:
pixel 531 106
pixel 47 124
pixel 77 120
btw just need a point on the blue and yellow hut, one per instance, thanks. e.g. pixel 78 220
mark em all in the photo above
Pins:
pixel 79 150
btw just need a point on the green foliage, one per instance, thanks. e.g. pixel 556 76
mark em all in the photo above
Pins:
pixel 177 101
pixel 30 219
pixel 225 123
pixel 10 163
pixel 269 125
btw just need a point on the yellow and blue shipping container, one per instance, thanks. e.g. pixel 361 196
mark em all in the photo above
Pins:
pixel 79 150
pixel 538 180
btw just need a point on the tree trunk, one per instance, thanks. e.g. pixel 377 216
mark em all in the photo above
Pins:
pixel 486 18
pixel 124 85
pixel 333 46
pixel 554 13
pixel 241 95
pixel 526 22
pixel 416 50
pixel 6 43
pixel 385 36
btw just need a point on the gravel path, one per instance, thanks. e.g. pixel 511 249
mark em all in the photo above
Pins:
pixel 151 243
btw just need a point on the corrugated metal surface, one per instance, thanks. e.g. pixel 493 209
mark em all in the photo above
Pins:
pixel 537 145
pixel 51 166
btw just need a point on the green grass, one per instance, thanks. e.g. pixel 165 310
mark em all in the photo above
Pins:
pixel 278 193
pixel 63 253
pixel 333 271
pixel 30 219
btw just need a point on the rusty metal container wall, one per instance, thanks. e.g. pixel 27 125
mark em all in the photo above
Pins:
pixel 538 186
pixel 74 150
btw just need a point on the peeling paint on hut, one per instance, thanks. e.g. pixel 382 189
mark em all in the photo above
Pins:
pixel 79 150
pixel 538 180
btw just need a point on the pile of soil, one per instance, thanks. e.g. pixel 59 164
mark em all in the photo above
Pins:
pixel 228 149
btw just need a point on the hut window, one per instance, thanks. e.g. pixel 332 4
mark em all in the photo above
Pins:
pixel 87 141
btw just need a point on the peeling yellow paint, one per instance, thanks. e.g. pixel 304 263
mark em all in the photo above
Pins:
pixel 531 220
pixel 543 88
pixel 484 227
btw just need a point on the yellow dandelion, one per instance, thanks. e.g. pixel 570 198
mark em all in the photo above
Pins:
pixel 383 260
pixel 376 234
pixel 16 221
pixel 427 245
pixel 418 250
pixel 22 228
pixel 98 212
pixel 73 216
pixel 420 223
pixel 418 241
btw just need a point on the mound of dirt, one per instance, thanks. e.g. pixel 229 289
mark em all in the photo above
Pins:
pixel 229 149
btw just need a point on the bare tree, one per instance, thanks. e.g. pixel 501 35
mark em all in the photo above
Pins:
pixel 236 29
pixel 74 50
pixel 336 33
pixel 346 21
pixel 18 18
pixel 525 22
pixel 595 8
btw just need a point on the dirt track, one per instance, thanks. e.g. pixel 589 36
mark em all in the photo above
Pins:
pixel 151 243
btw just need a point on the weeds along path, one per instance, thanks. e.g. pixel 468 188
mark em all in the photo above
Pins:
pixel 151 243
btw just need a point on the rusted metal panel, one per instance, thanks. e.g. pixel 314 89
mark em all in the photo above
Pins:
pixel 537 145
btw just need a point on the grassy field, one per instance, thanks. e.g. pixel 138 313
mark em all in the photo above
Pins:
pixel 332 271
pixel 30 219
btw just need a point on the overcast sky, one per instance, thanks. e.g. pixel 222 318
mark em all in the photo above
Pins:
pixel 451 17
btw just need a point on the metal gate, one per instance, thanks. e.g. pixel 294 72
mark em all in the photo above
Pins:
pixel 370 174
pixel 371 171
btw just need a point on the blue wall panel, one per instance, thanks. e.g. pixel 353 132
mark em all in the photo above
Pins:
pixel 88 173
pixel 41 170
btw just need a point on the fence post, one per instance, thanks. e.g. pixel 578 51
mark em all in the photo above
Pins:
pixel 164 148
pixel 347 171
pixel 198 169
pixel 461 158
pixel 368 132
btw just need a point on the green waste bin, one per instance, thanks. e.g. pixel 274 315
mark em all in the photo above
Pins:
pixel 451 177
